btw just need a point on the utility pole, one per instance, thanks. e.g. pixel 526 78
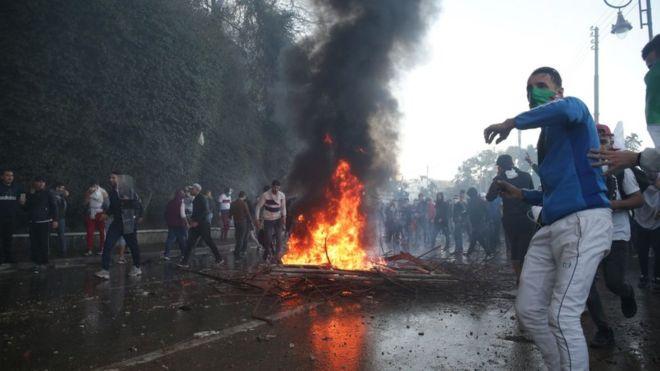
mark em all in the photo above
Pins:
pixel 595 48
pixel 649 17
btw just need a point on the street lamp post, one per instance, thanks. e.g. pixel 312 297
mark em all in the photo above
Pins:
pixel 622 25
pixel 649 17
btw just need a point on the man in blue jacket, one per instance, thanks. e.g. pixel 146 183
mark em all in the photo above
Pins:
pixel 576 220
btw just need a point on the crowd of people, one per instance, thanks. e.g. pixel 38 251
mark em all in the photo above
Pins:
pixel 416 226
pixel 114 215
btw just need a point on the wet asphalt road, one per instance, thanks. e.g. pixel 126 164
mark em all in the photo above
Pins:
pixel 66 319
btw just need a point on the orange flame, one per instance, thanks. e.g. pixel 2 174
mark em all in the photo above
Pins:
pixel 334 235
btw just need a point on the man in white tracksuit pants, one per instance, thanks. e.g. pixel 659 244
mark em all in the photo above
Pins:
pixel 576 220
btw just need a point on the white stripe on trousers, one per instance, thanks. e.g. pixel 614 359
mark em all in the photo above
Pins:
pixel 554 285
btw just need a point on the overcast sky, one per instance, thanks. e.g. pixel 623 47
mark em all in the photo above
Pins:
pixel 477 57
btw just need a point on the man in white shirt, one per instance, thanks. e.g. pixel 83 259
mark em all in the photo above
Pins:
pixel 224 204
pixel 624 195
pixel 273 203
pixel 95 199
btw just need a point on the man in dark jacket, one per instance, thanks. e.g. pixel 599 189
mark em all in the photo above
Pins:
pixel 61 194
pixel 42 214
pixel 518 227
pixel 239 210
pixel 477 210
pixel 441 220
pixel 177 224
pixel 199 227
pixel 459 216
pixel 125 208
pixel 12 197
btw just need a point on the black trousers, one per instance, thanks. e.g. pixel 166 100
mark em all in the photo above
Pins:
pixel 7 229
pixel 481 237
pixel 39 242
pixel 458 236
pixel 613 268
pixel 203 231
pixel 648 239
pixel 115 232
pixel 518 238
pixel 241 236
pixel 437 228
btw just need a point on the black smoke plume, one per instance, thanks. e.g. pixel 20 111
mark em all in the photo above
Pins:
pixel 338 91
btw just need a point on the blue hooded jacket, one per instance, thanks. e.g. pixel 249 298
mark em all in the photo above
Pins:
pixel 569 182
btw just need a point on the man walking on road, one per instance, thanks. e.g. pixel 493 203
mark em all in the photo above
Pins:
pixel 199 227
pixel 12 197
pixel 459 217
pixel 41 208
pixel 577 221
pixel 273 203
pixel 441 220
pixel 477 211
pixel 240 211
pixel 125 209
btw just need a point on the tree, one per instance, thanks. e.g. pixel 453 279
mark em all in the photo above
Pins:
pixel 478 171
pixel 92 86
pixel 633 143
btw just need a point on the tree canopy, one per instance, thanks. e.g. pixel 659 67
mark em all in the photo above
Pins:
pixel 92 86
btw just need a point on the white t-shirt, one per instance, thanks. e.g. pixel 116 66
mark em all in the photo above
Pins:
pixel 645 216
pixel 96 202
pixel 225 202
pixel 620 218
pixel 274 206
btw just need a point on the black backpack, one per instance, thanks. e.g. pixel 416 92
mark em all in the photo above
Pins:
pixel 640 176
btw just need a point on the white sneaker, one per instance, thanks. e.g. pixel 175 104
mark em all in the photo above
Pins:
pixel 103 273
pixel 135 271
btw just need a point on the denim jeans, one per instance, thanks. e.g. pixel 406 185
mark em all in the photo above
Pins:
pixel 178 235
pixel 115 232
pixel 273 229
pixel 61 237
pixel 241 236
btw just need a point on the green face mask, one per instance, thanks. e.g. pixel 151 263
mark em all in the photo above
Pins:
pixel 539 96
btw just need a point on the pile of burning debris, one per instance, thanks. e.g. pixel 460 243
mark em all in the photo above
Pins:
pixel 274 285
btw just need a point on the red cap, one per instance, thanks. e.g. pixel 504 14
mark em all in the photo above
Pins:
pixel 604 130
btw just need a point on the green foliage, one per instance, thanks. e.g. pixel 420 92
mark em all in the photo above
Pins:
pixel 91 86
pixel 633 143
pixel 478 171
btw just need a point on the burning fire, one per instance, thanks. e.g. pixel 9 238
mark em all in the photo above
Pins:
pixel 333 236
